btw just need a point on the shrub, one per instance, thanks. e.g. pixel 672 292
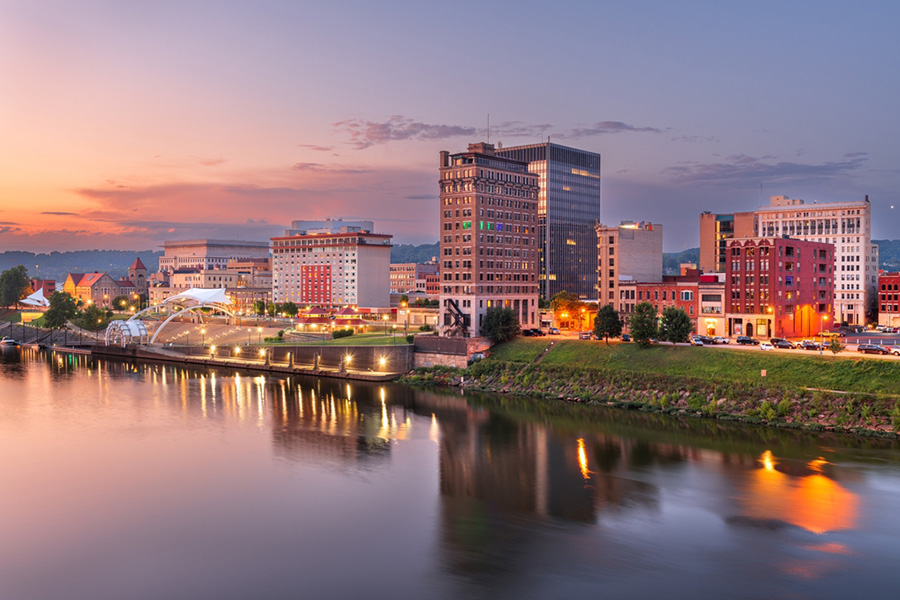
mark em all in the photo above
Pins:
pixel 425 327
pixel 410 338
pixel 341 333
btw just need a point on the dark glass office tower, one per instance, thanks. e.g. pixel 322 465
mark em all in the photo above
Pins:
pixel 568 210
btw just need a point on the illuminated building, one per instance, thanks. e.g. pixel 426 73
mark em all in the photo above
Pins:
pixel 779 287
pixel 846 225
pixel 568 211
pixel 488 239
pixel 332 263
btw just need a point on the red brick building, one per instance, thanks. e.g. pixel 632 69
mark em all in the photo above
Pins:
pixel 700 296
pixel 780 287
pixel 889 299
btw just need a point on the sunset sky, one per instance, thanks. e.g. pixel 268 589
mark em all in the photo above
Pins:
pixel 124 124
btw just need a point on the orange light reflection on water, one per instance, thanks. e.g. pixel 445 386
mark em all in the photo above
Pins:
pixel 582 460
pixel 813 502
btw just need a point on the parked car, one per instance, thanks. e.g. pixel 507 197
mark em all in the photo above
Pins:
pixel 838 333
pixel 696 340
pixel 872 349
pixel 781 343
pixel 895 350
pixel 766 346
pixel 721 340
pixel 584 335
pixel 746 340
pixel 553 331
pixel 626 337
pixel 810 345
pixel 527 333
pixel 538 332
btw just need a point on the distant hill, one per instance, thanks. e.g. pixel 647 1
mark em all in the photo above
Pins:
pixel 57 264
pixel 672 260
pixel 888 254
pixel 408 253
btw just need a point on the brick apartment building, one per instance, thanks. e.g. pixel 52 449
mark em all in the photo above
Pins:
pixel 780 287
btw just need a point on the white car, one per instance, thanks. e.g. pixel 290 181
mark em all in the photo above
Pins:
pixel 721 340
pixel 766 346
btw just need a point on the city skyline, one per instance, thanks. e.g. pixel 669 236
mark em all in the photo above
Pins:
pixel 128 126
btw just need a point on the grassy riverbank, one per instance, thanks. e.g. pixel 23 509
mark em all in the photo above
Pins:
pixel 798 390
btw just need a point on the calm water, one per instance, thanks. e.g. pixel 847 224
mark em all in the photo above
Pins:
pixel 152 482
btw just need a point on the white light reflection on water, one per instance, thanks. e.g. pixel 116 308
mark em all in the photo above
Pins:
pixel 439 496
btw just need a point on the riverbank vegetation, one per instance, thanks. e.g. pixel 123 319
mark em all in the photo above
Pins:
pixel 821 392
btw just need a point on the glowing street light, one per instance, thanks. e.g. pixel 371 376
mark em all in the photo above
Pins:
pixel 259 335
pixel 202 333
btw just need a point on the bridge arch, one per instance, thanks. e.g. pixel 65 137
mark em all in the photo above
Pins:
pixel 187 301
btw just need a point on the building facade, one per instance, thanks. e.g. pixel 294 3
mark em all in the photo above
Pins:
pixel 97 288
pixel 208 254
pixel 412 278
pixel 627 252
pixel 489 250
pixel 779 287
pixel 846 225
pixel 338 265
pixel 701 297
pixel 568 211
pixel 889 299
pixel 715 231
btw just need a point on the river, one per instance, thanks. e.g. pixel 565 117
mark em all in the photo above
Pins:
pixel 150 481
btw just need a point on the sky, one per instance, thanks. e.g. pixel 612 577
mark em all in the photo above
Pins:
pixel 125 124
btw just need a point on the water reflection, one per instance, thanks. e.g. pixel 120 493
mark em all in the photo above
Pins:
pixel 481 496
pixel 799 494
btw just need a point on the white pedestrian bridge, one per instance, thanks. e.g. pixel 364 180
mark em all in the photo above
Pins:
pixel 134 331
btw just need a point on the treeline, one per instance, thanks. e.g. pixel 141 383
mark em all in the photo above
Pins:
pixel 56 265
pixel 409 253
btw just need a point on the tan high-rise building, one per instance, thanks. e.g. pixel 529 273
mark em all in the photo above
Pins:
pixel 715 231
pixel 488 239
pixel 627 252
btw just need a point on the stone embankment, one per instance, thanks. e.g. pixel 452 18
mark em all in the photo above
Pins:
pixel 822 410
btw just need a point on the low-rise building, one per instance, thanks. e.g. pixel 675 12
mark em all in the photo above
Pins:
pixel 97 288
pixel 889 299
pixel 412 278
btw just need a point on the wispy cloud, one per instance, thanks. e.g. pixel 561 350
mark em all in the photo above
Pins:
pixel 60 214
pixel 608 127
pixel 364 134
pixel 321 168
pixel 8 229
pixel 316 148
pixel 743 169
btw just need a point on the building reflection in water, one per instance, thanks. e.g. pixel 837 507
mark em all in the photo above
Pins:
pixel 800 494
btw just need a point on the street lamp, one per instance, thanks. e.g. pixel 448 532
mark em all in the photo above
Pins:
pixel 822 334
pixel 385 319
pixel 259 335
pixel 202 333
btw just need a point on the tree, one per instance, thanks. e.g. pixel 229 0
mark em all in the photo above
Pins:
pixel 289 308
pixel 676 325
pixel 93 318
pixel 404 299
pixel 272 309
pixel 259 307
pixel 607 323
pixel 500 324
pixel 642 324
pixel 835 346
pixel 14 285
pixel 62 308
pixel 120 302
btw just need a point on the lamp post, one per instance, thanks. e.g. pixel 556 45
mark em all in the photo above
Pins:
pixel 259 335
pixel 822 334
pixel 202 333
pixel 385 319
